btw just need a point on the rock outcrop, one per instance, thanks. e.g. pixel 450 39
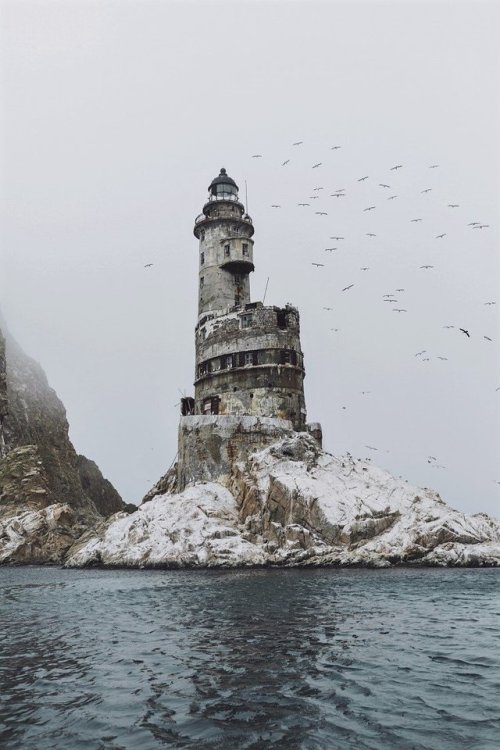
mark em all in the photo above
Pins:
pixel 293 504
pixel 48 494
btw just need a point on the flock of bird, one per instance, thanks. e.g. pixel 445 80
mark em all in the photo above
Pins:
pixel 391 194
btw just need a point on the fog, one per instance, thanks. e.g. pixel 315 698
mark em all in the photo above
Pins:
pixel 115 118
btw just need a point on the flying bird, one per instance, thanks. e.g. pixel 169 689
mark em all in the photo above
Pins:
pixel 297 143
pixel 434 166
pixel 365 268
pixel 391 197
pixel 397 166
pixel 336 238
pixel 370 208
pixel 473 223
pixel 329 249
pixel 440 236
pixel 381 184
pixel 446 358
pixel 448 326
pixel 370 447
pixel 399 309
pixel 319 188
pixel 285 162
pixel 363 178
pixel 400 290
pixel 319 265
pixel 321 213
pixel 487 338
pixel 303 204
pixel 363 393
pixel 464 331
pixel 148 265
pixel 415 220
pixel 453 205
pixel 328 308
pixel 490 303
pixel 314 166
pixel 275 205
pixel 257 156
pixel 419 354
pixel 426 266
pixel 481 226
pixel 347 287
pixel 427 190
pixel 337 195
pixel 370 234
pixel 313 197
pixel 334 148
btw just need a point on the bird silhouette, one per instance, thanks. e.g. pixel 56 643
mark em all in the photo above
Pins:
pixel 285 162
pixel 347 287
pixel 427 190
pixel 334 148
pixel 275 205
pixel 319 188
pixel 337 238
pixel 440 236
pixel 381 184
pixel 315 166
pixel 400 290
pixel 321 213
pixel 319 265
pixel 399 309
pixel 434 166
pixel 361 179
pixel 397 166
pixel 473 223
pixel 415 220
pixel 328 308
pixel 453 205
pixel 370 208
pixel 426 266
pixel 444 358
pixel 329 249
pixel 297 143
pixel 481 226
pixel 487 338
pixel 148 265
pixel 419 354
pixel 364 268
pixel 303 204
pixel 465 331
pixel 391 197
pixel 337 195
pixel 257 156
pixel 490 303
pixel 370 234
pixel 448 326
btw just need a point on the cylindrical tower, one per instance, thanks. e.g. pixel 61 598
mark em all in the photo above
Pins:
pixel 226 248
pixel 248 356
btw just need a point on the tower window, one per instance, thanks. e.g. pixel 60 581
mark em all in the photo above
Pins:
pixel 247 321
pixel 248 359
pixel 202 258
pixel 226 251
pixel 202 282
pixel 229 361
pixel 245 248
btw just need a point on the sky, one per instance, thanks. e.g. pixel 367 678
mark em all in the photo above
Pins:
pixel 115 117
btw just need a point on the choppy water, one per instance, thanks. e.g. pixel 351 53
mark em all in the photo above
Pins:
pixel 264 659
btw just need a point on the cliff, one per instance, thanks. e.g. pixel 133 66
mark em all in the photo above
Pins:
pixel 291 504
pixel 48 494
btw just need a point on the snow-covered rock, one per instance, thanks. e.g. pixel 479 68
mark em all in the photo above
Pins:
pixel 293 504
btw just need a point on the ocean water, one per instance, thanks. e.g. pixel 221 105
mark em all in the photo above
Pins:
pixel 351 659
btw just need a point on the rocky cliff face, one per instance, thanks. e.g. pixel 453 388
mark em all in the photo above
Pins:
pixel 293 504
pixel 39 467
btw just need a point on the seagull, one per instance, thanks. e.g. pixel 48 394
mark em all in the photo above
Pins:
pixel 381 184
pixel 313 197
pixel 319 265
pixel 434 166
pixel 336 238
pixel 387 295
pixel 370 447
pixel 370 234
pixel 473 223
pixel 427 190
pixel 363 178
pixel 303 204
pixel 347 287
pixel 337 195
pixel 275 205
pixel 440 236
pixel 334 148
pixel 321 213
pixel 487 338
pixel 148 265
pixel 329 249
pixel 363 393
pixel 432 458
pixel 328 308
pixel 365 268
pixel 298 143
pixel 370 208
pixel 391 197
pixel 426 266
pixel 444 358
pixel 419 354
pixel 318 188
pixel 464 331
pixel 415 220
pixel 397 166
pixel 482 226
pixel 453 205
pixel 399 309
pixel 285 162
pixel 390 300
pixel 448 326
pixel 314 166
pixel 257 156
pixel 400 290
pixel 490 303
pixel 336 331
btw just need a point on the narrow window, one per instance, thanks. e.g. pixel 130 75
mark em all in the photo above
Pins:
pixel 245 248
pixel 229 360
pixel 202 282
pixel 202 258
pixel 226 251
pixel 248 358
pixel 246 321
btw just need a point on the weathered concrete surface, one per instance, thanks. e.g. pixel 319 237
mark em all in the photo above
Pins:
pixel 209 446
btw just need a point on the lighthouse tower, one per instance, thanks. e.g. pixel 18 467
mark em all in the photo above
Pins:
pixel 248 356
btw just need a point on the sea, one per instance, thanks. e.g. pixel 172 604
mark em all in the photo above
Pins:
pixel 254 659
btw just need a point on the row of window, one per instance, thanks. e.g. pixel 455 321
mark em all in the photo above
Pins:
pixel 246 359
pixel 227 252
pixel 236 229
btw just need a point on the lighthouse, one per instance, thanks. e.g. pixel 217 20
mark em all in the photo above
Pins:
pixel 249 360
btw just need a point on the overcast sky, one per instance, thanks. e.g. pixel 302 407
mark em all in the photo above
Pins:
pixel 117 115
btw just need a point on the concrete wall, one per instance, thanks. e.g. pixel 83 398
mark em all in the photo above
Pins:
pixel 209 445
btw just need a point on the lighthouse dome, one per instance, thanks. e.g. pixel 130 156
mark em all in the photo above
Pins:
pixel 223 186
